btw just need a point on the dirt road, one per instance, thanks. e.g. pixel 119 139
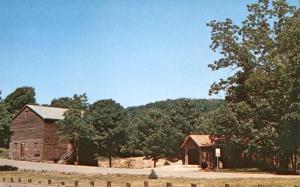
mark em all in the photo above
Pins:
pixel 166 171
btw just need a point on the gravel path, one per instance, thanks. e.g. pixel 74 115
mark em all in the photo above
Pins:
pixel 166 171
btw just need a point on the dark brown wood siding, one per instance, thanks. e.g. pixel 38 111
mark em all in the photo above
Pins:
pixel 28 136
pixel 54 148
pixel 204 154
pixel 34 139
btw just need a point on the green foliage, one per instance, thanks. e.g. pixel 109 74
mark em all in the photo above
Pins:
pixel 158 129
pixel 262 115
pixel 78 102
pixel 153 135
pixel 4 152
pixel 19 98
pixel 73 127
pixel 5 120
pixel 109 120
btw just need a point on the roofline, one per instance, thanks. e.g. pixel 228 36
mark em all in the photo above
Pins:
pixel 189 137
pixel 26 106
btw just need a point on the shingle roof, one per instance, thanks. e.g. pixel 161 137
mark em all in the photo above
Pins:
pixel 200 140
pixel 48 112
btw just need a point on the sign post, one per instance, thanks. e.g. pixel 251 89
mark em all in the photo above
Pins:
pixel 218 154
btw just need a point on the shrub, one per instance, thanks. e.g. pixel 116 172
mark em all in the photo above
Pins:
pixel 204 165
pixel 167 163
pixel 4 153
pixel 153 175
pixel 8 168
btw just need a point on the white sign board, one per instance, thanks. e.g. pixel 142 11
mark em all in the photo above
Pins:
pixel 218 152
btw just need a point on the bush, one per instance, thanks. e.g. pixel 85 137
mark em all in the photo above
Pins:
pixel 153 175
pixel 204 165
pixel 8 168
pixel 4 153
pixel 167 163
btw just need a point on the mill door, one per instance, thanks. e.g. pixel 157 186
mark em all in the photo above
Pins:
pixel 22 150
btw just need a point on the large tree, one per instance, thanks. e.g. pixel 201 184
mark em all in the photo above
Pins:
pixel 262 91
pixel 79 102
pixel 5 120
pixel 19 98
pixel 73 127
pixel 152 135
pixel 109 120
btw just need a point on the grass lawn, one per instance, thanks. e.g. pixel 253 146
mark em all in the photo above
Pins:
pixel 138 181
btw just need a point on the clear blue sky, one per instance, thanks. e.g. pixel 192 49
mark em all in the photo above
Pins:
pixel 134 52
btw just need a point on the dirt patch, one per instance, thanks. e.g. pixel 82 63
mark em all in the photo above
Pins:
pixel 136 162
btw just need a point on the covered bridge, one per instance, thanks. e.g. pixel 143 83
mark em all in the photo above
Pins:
pixel 198 149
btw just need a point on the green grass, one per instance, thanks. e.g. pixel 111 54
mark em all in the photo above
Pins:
pixel 4 152
pixel 138 181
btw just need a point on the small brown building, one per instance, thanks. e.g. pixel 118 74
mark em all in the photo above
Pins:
pixel 198 149
pixel 34 135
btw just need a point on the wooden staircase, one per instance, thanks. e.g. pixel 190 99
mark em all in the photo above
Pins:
pixel 65 157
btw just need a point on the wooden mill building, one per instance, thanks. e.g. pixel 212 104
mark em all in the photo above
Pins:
pixel 34 135
pixel 198 149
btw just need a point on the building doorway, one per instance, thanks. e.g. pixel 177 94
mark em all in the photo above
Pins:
pixel 193 157
pixel 22 150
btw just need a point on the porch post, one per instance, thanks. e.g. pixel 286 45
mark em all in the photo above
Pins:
pixel 186 156
pixel 200 155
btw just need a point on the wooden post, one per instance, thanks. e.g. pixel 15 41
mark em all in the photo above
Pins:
pixel 108 184
pixel 146 184
pixel 92 183
pixel 193 185
pixel 169 184
pixel 3 179
pixel 11 179
pixel 62 183
pixel 49 181
pixel 227 185
pixel 29 180
pixel 76 183
pixel 128 185
pixel 19 180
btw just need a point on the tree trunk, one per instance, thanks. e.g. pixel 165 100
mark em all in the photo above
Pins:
pixel 77 153
pixel 109 158
pixel 75 145
pixel 283 164
pixel 154 162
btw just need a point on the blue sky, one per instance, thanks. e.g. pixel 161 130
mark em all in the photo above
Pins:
pixel 133 51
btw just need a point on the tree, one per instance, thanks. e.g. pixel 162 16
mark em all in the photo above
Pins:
pixel 79 102
pixel 263 89
pixel 152 135
pixel 109 120
pixel 19 98
pixel 73 127
pixel 5 120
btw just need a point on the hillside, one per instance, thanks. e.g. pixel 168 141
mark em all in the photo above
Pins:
pixel 201 105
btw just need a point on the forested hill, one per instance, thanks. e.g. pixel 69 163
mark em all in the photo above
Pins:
pixel 202 105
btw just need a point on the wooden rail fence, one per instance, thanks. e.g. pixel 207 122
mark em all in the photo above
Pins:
pixel 49 183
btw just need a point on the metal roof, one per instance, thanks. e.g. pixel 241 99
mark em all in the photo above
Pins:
pixel 48 112
pixel 200 140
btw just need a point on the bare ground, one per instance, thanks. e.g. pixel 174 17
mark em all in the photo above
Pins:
pixel 165 171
